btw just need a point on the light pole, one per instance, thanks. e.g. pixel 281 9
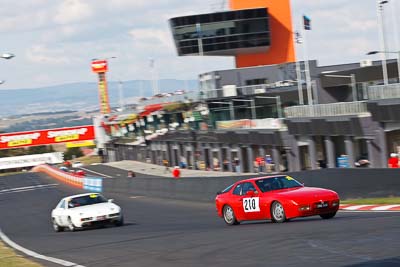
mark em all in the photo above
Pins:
pixel 121 95
pixel 7 56
pixel 380 4
pixel 353 83
pixel 389 52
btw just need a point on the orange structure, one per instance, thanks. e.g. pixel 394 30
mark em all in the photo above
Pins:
pixel 282 39
pixel 100 67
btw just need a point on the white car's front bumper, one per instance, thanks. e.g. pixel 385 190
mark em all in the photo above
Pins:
pixel 99 219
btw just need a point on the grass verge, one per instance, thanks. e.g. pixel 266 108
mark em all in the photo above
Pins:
pixel 372 201
pixel 10 259
pixel 87 160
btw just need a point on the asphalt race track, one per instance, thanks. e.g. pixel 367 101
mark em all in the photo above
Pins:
pixel 176 233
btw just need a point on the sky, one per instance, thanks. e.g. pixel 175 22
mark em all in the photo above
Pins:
pixel 55 40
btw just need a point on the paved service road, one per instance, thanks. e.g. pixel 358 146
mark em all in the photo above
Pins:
pixel 176 233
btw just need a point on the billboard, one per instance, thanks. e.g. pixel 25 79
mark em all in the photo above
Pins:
pixel 46 137
pixel 103 94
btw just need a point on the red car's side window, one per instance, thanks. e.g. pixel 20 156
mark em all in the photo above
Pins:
pixel 238 190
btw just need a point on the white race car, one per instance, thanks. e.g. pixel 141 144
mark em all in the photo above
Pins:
pixel 83 210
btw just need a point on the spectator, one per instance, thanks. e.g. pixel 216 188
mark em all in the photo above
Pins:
pixel 393 161
pixel 260 164
pixel 166 165
pixel 268 163
pixel 176 173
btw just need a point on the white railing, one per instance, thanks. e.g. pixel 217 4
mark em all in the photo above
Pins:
pixel 192 96
pixel 196 96
pixel 323 110
pixel 377 92
pixel 246 90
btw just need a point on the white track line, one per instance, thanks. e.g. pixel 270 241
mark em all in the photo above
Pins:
pixel 26 188
pixel 34 254
pixel 101 174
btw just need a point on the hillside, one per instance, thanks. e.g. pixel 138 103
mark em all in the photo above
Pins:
pixel 78 96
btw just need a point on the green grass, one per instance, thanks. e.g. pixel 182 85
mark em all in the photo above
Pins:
pixel 10 259
pixel 87 160
pixel 372 201
pixel 9 173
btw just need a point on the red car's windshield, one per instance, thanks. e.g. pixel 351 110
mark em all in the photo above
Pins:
pixel 276 183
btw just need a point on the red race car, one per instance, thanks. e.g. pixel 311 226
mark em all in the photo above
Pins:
pixel 277 198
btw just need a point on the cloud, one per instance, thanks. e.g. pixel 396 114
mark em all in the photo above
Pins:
pixel 71 11
pixel 60 37
pixel 42 55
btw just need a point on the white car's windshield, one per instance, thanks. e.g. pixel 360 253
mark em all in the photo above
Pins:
pixel 86 200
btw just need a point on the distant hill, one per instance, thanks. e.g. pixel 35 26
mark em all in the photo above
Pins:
pixel 79 96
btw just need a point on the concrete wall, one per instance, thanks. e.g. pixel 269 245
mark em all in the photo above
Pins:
pixel 349 183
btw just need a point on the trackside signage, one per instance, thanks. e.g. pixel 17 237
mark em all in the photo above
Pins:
pixel 46 137
pixel 93 184
pixel 30 160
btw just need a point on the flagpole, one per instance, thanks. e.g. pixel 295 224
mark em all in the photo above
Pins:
pixel 307 65
pixel 298 72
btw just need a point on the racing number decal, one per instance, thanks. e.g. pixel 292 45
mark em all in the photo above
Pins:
pixel 251 204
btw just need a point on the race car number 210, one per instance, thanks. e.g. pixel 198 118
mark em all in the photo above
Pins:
pixel 251 204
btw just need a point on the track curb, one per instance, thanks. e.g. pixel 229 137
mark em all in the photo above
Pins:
pixel 370 207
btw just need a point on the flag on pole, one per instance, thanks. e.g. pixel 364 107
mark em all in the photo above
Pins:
pixel 307 23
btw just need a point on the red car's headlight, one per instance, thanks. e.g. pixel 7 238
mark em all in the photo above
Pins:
pixel 304 208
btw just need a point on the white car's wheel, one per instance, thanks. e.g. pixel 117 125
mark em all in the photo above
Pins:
pixel 278 212
pixel 71 225
pixel 120 222
pixel 56 227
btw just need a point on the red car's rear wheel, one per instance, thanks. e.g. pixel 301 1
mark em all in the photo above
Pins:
pixel 229 215
pixel 277 212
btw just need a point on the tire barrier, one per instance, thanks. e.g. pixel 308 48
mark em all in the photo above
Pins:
pixel 86 183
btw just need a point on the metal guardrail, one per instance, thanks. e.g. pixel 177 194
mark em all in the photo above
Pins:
pixel 377 92
pixel 323 110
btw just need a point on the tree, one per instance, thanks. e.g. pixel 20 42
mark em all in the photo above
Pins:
pixel 37 150
pixel 71 153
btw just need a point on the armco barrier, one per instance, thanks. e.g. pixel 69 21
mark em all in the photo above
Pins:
pixel 349 183
pixel 89 184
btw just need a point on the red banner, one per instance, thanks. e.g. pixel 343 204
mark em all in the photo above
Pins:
pixel 99 66
pixel 46 137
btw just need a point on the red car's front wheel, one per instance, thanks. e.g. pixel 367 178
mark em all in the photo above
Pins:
pixel 229 215
pixel 278 212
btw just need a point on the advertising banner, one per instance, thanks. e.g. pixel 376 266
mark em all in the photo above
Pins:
pixel 93 184
pixel 251 124
pixel 31 160
pixel 103 94
pixel 80 144
pixel 46 137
